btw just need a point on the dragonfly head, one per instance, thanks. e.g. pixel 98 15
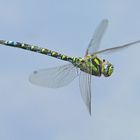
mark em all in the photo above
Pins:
pixel 107 68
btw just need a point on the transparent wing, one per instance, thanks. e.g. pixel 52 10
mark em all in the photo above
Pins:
pixel 97 36
pixel 119 48
pixel 54 77
pixel 85 88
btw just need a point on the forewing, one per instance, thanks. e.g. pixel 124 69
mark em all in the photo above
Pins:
pixel 54 77
pixel 118 48
pixel 97 36
pixel 85 88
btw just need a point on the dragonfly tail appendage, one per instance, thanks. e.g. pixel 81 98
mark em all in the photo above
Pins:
pixel 36 49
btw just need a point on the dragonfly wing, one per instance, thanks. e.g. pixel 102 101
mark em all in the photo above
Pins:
pixel 85 88
pixel 97 36
pixel 54 77
pixel 118 48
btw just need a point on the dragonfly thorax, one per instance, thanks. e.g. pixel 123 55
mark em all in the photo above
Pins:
pixel 94 66
pixel 90 65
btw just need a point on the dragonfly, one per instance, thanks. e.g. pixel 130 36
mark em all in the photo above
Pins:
pixel 84 68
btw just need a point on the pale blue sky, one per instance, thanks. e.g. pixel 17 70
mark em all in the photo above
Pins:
pixel 28 112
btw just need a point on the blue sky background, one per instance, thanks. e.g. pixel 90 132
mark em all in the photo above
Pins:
pixel 32 113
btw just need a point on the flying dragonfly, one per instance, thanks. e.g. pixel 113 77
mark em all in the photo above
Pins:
pixel 84 68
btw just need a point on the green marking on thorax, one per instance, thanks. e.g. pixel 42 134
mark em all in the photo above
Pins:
pixel 96 60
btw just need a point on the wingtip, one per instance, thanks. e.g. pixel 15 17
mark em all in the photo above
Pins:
pixel 89 109
pixel 2 42
pixel 90 113
pixel 105 21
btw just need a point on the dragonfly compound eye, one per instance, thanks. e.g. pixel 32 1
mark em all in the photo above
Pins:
pixel 107 69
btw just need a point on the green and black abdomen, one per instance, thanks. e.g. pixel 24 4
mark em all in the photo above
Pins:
pixel 37 49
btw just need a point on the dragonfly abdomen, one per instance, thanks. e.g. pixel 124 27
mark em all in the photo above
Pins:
pixel 37 49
